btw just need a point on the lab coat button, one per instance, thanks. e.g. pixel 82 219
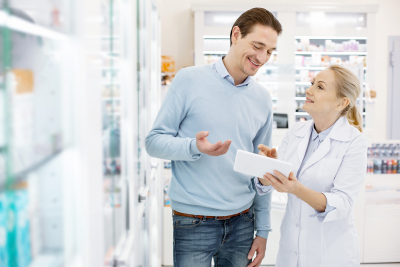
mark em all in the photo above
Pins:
pixel 295 252
pixel 297 225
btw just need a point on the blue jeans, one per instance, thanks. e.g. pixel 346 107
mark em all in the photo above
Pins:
pixel 197 241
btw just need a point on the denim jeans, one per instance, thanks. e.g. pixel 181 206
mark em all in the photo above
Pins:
pixel 197 241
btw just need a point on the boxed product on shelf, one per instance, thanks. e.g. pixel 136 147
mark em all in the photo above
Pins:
pixel 3 231
pixel 330 46
pixel 383 159
pixel 317 60
pixel 15 244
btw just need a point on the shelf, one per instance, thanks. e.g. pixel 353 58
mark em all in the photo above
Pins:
pixel 111 98
pixel 302 83
pixel 268 83
pixel 301 114
pixel 330 38
pixel 21 174
pixel 20 25
pixel 306 114
pixel 216 37
pixel 224 52
pixel 47 260
pixel 315 68
pixel 304 98
pixel 330 53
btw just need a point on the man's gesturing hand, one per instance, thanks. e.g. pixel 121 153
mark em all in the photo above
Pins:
pixel 204 146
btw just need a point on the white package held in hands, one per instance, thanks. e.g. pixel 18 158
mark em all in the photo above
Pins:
pixel 258 165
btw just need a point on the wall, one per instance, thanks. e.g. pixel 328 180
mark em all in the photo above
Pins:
pixel 177 22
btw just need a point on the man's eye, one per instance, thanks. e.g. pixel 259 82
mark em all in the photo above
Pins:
pixel 269 53
pixel 256 47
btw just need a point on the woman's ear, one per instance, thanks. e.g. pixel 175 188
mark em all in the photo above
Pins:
pixel 235 34
pixel 342 104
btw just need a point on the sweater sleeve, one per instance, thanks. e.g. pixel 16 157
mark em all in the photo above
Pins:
pixel 262 203
pixel 163 141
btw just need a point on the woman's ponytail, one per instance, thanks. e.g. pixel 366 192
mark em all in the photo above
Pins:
pixel 354 117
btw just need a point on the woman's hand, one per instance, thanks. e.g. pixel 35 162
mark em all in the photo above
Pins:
pixel 283 183
pixel 271 153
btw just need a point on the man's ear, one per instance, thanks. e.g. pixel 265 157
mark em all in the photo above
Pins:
pixel 236 35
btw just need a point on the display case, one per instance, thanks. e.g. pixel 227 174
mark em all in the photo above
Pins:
pixel 315 53
pixel 35 134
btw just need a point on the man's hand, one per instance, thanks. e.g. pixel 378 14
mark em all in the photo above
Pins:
pixel 204 146
pixel 259 246
pixel 271 153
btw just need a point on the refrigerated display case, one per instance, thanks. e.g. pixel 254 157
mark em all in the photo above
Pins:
pixel 73 109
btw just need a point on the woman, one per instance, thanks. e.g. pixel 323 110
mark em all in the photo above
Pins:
pixel 329 156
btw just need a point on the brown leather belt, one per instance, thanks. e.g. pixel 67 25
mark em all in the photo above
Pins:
pixel 208 217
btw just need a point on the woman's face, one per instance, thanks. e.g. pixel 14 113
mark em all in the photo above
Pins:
pixel 321 97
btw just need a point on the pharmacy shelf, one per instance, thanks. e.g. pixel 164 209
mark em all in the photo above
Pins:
pixel 304 98
pixel 47 260
pixel 330 53
pixel 301 114
pixel 224 53
pixel 268 83
pixel 35 166
pixel 116 98
pixel 330 38
pixel 216 37
pixel 306 114
pixel 20 25
pixel 315 68
pixel 302 83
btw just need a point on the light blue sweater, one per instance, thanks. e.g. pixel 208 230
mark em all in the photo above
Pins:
pixel 200 100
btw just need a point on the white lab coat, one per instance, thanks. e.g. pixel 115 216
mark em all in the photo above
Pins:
pixel 337 169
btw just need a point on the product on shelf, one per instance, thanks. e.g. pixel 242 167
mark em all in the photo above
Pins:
pixel 317 60
pixel 167 64
pixel 304 45
pixel 167 175
pixel 15 244
pixel 166 79
pixel 383 159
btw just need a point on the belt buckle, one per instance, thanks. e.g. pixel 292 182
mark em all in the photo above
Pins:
pixel 225 218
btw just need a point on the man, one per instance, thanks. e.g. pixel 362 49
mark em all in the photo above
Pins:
pixel 213 205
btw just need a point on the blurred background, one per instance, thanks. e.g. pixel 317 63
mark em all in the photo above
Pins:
pixel 81 83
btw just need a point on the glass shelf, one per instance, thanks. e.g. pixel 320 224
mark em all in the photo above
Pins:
pixel 330 53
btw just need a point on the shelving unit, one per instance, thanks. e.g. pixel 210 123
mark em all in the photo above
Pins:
pixel 210 37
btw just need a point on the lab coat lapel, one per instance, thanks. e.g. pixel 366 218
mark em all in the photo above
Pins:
pixel 339 132
pixel 302 146
pixel 321 151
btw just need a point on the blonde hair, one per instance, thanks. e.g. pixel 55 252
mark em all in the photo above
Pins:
pixel 348 85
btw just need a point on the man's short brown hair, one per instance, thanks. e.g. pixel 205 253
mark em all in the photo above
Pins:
pixel 254 16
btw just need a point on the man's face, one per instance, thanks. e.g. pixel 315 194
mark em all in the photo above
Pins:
pixel 254 50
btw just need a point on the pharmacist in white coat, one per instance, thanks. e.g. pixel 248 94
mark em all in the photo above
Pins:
pixel 329 156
